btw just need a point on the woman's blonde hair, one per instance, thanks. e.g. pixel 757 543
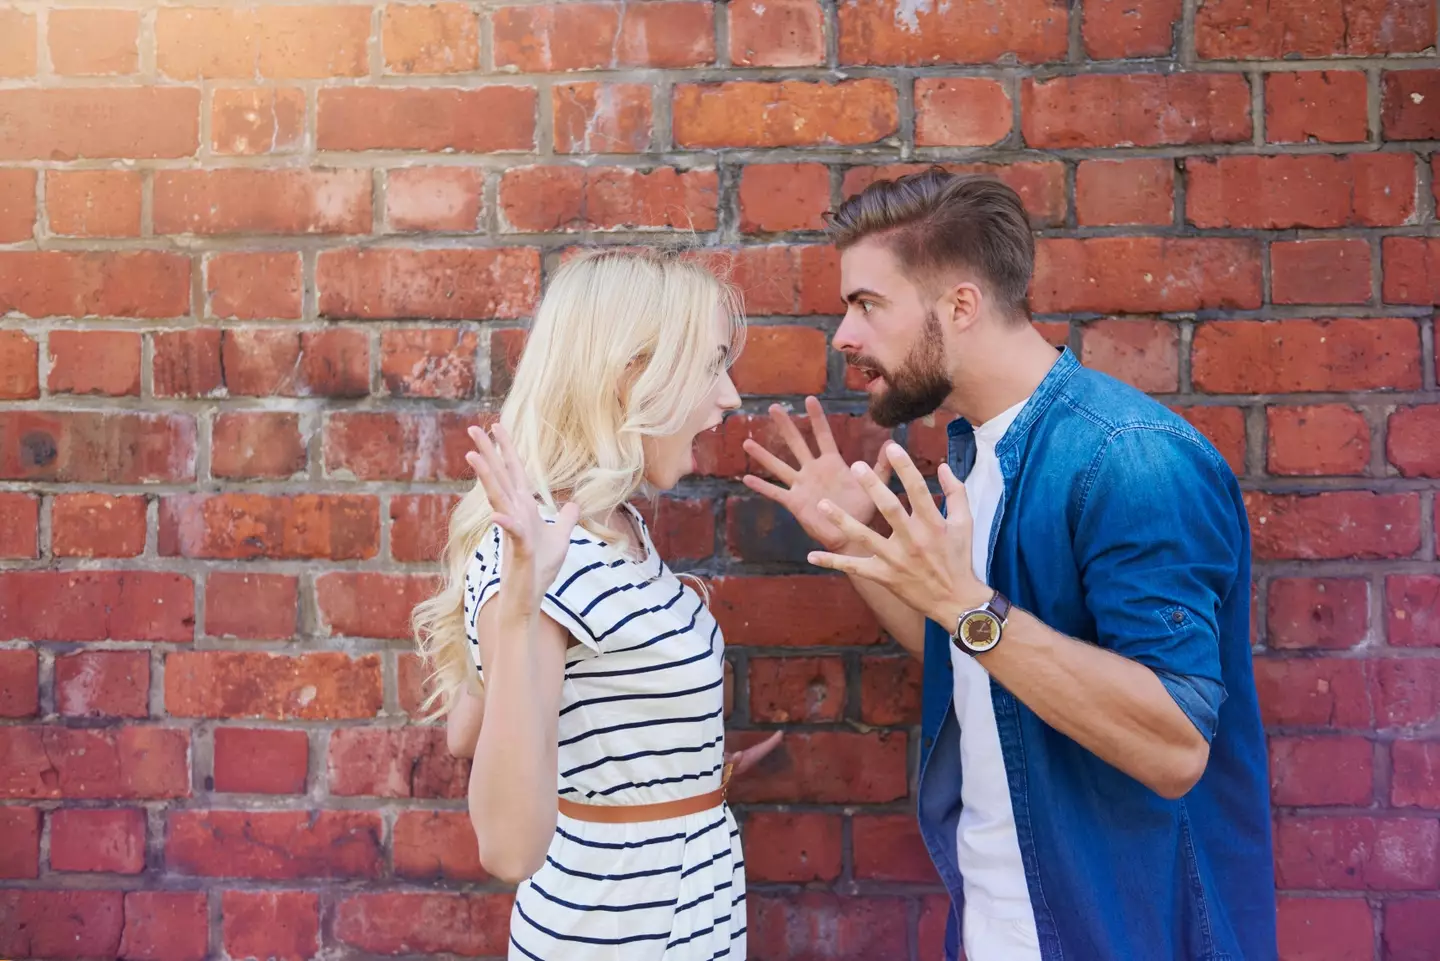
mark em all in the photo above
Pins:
pixel 624 346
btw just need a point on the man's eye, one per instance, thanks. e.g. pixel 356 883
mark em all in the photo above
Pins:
pixel 865 306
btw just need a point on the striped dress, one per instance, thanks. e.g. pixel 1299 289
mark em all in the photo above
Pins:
pixel 641 721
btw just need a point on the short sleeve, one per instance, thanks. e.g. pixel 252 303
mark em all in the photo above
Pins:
pixel 1159 543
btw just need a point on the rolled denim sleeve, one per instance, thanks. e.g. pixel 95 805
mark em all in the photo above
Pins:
pixel 1158 539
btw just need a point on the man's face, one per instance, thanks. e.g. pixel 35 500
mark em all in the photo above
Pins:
pixel 891 335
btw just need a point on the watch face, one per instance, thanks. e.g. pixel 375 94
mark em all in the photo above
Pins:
pixel 980 631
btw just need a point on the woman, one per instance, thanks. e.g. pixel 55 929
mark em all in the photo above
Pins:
pixel 599 775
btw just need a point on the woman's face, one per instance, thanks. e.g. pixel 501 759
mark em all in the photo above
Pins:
pixel 671 457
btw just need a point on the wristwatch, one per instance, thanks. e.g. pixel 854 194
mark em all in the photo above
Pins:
pixel 980 630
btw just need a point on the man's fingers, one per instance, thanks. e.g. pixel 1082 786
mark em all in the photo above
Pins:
pixel 922 503
pixel 770 462
pixel 885 500
pixel 764 488
pixel 791 435
pixel 820 427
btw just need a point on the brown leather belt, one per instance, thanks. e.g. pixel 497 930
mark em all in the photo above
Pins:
pixel 638 813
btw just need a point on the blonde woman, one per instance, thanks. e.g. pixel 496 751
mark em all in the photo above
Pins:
pixel 600 768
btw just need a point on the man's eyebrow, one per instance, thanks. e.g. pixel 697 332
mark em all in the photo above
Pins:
pixel 858 293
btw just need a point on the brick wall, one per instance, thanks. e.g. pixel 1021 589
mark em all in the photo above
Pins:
pixel 260 266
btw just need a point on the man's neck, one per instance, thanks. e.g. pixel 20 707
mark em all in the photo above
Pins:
pixel 1000 372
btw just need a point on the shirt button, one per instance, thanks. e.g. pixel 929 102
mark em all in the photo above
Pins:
pixel 1178 616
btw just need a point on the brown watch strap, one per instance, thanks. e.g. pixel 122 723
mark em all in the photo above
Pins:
pixel 1000 606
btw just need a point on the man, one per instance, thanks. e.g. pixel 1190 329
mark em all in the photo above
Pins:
pixel 1093 770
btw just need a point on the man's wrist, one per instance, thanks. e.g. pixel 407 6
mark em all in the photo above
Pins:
pixel 962 601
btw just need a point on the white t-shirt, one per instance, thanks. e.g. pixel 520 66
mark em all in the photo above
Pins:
pixel 999 921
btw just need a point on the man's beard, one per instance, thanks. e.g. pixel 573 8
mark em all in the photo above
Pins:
pixel 918 386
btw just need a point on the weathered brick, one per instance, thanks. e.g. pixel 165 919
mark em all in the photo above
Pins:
pixel 419 525
pixel 1319 440
pixel 1415 774
pixel 105 362
pixel 594 117
pixel 74 283
pixel 129 762
pixel 961 112
pixel 1335 524
pixel 1324 106
pixel 249 445
pixel 603 35
pixel 111 841
pixel 1121 29
pixel 253 606
pixel 1320 272
pixel 776 33
pixel 1317 612
pixel 244 526
pixel 1145 274
pixel 19 525
pixel 433 119
pixel 19 838
pixel 828 926
pixel 1325 929
pixel 241 201
pixel 263 362
pixel 1323 770
pixel 796 690
pixel 367 445
pixel 779 197
pixel 435 284
pixel 1404 114
pixel 68 925
pixel 253 286
pixel 1288 356
pixel 1237 30
pixel 1357 853
pixel 827 767
pixel 138 123
pixel 256 121
pixel 792 847
pixel 1412 604
pixel 1140 110
pixel 365 604
pixel 97 606
pixel 1144 354
pixel 98 525
pixel 187 363
pixel 890 690
pixel 608 198
pixel 19 683
pixel 260 760
pixel 891 33
pixel 93 203
pixel 1111 192
pixel 1321 692
pixel 437 38
pixel 284 925
pixel 1412 928
pixel 103 684
pixel 437 846
pixel 1412 270
pixel 18 48
pixel 277 845
pixel 433 198
pixel 1311 190
pixel 1410 440
pixel 17 198
pixel 423 923
pixel 1406 691
pixel 272 686
pixel 394 763
pixel 788 113
pixel 281 42
pixel 888 847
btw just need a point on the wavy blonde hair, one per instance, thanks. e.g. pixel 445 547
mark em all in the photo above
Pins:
pixel 623 347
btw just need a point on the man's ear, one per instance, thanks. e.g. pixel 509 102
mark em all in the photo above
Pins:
pixel 961 304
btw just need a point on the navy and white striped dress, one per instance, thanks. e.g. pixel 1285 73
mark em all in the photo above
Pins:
pixel 641 721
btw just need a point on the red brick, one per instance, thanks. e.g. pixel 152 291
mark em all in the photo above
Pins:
pixel 1311 190
pixel 434 284
pixel 257 120
pixel 593 117
pixel 1325 929
pixel 721 453
pixel 1316 441
pixel 1410 440
pixel 437 846
pixel 607 198
pixel 98 525
pixel 277 687
pixel 888 33
pixel 888 847
pixel 776 33
pixel 19 525
pixel 1334 525
pixel 416 923
pixel 1330 613
pixel 93 203
pixel 19 366
pixel 796 690
pixel 1145 354
pixel 1307 771
pixel 1404 114
pixel 282 42
pixel 94 42
pixel 1288 356
pixel 252 606
pixel 1406 691
pixel 1224 427
pixel 17 198
pixel 138 123
pixel 187 363
pixel 1412 929
pixel 788 113
pixel 241 201
pixel 587 36
pixel 129 762
pixel 1412 270
pixel 779 197
pixel 1357 853
pixel 260 761
pixel 1323 106
pixel 116 448
pixel 1320 692
pixel 250 445
pixel 680 528
pixel 782 360
pixel 1145 274
pixel 820 926
pixel 103 362
pixel 1415 774
pixel 438 362
pixel 253 285
pixel 365 604
pixel 246 526
pixel 17 43
pixel 890 690
pixel 277 845
pixel 792 847
pixel 415 686
pixel 1412 604
pixel 97 606
pixel 826 767
pixel 934 912
pixel 1135 110
pixel 431 119
pixel 438 38
pixel 433 198
pixel 283 925
pixel 395 763
pixel 264 362
pixel 413 447
pixel 103 684
pixel 1320 272
pixel 798 610
pixel 166 926
pixel 781 279
pixel 66 925
pixel 961 112
pixel 1121 29
pixel 66 283
pixel 1235 29
pixel 19 840
pixel 110 841
pixel 19 683
pixel 1041 185
pixel 419 525
pixel 1110 192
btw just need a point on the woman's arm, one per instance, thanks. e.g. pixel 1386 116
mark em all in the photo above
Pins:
pixel 462 721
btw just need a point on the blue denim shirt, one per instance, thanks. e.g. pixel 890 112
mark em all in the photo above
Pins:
pixel 1120 526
